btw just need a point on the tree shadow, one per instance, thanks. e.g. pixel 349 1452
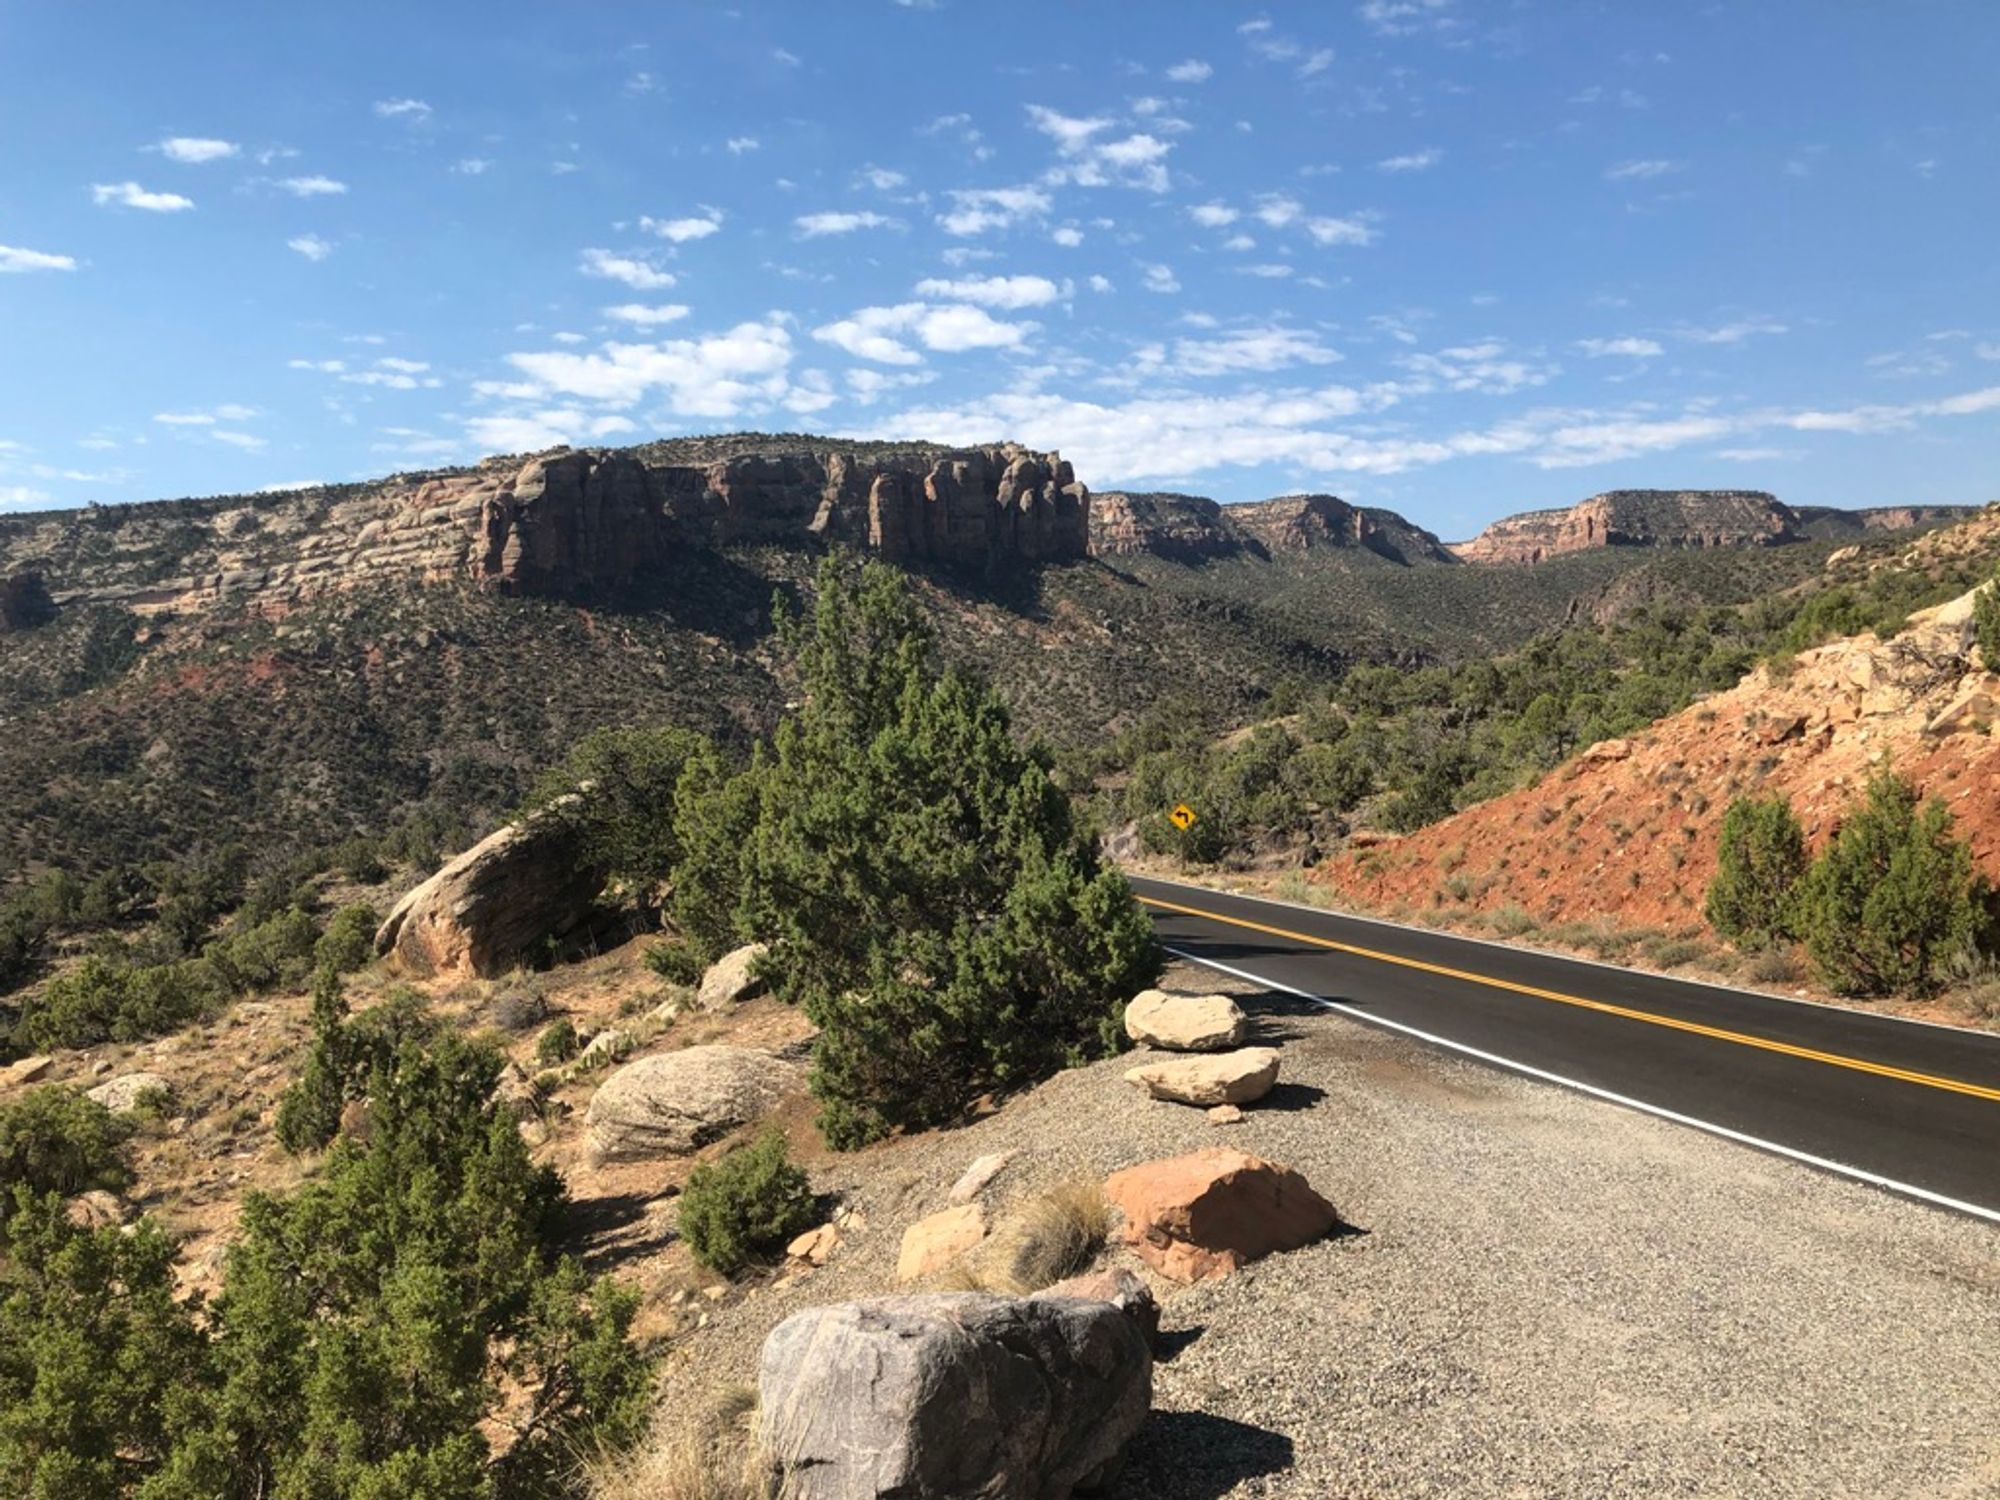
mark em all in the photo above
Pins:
pixel 1193 1455
pixel 607 1232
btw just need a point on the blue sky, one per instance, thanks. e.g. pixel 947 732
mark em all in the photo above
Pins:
pixel 1449 256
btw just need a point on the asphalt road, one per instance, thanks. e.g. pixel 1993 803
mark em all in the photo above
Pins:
pixel 1913 1108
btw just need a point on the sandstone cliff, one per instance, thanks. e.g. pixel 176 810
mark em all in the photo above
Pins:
pixel 1188 528
pixel 566 522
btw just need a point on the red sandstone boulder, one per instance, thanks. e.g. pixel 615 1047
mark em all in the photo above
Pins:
pixel 1200 1217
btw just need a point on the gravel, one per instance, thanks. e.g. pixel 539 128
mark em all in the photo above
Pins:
pixel 1544 1295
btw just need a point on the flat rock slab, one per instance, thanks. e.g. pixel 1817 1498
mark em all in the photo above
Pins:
pixel 1203 1216
pixel 932 1244
pixel 979 1176
pixel 1240 1077
pixel 1185 1023
pixel 952 1395
pixel 674 1103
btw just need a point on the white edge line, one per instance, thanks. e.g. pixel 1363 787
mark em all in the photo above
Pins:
pixel 1859 1174
pixel 1567 958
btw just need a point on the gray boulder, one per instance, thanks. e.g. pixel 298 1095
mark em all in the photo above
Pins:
pixel 956 1396
pixel 122 1095
pixel 674 1103
pixel 731 979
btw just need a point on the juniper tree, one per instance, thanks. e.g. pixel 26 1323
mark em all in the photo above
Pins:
pixel 1762 855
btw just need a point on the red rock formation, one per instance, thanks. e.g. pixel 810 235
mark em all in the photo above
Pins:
pixel 1637 518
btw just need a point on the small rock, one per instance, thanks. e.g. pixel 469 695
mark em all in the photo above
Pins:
pixel 1225 1114
pixel 1122 1290
pixel 122 1095
pixel 715 1293
pixel 931 1244
pixel 1185 1023
pixel 609 1045
pixel 97 1209
pixel 815 1245
pixel 1240 1077
pixel 731 979
pixel 979 1176
pixel 99 1068
pixel 28 1070
pixel 1203 1216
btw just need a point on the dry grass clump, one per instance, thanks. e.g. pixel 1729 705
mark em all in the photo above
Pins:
pixel 1051 1236
pixel 712 1457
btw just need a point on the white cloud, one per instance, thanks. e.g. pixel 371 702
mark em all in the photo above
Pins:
pixel 1136 160
pixel 472 166
pixel 322 366
pixel 1239 242
pixel 738 145
pixel 786 59
pixel 1415 161
pixel 311 246
pixel 869 386
pixel 412 110
pixel 312 187
pixel 1071 133
pixel 1247 350
pixel 816 226
pixel 877 333
pixel 1277 210
pixel 14 260
pixel 1316 62
pixel 1733 333
pixel 976 210
pixel 1194 70
pixel 642 316
pixel 637 273
pixel 881 179
pixel 403 366
pixel 131 195
pixel 230 412
pixel 1067 237
pixel 1012 292
pixel 1984 351
pixel 1355 230
pixel 551 427
pixel 249 442
pixel 680 231
pixel 1629 348
pixel 717 376
pixel 1159 278
pixel 20 497
pixel 194 150
pixel 1213 215
pixel 1640 171
pixel 1406 17
pixel 1100 284
pixel 1484 367
pixel 1273 270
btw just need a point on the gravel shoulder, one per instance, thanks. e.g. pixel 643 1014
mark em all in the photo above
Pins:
pixel 1544 1295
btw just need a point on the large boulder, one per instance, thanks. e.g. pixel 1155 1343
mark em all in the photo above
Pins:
pixel 952 1396
pixel 504 898
pixel 1201 1217
pixel 1240 1077
pixel 1185 1023
pixel 1121 1289
pixel 732 978
pixel 674 1103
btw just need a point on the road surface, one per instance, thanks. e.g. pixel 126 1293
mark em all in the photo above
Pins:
pixel 1910 1107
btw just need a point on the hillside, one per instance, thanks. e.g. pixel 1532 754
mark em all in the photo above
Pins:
pixel 1627 830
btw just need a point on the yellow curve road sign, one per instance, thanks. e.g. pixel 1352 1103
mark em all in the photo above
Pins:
pixel 1182 817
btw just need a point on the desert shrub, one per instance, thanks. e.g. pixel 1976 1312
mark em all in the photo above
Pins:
pixel 626 815
pixel 932 901
pixel 371 1332
pixel 1779 965
pixel 346 1057
pixel 96 1356
pixel 746 1206
pixel 104 998
pixel 557 1044
pixel 1986 625
pixel 1762 856
pixel 677 963
pixel 349 940
pixel 360 860
pixel 54 1139
pixel 277 951
pixel 1892 897
pixel 1055 1234
pixel 1512 921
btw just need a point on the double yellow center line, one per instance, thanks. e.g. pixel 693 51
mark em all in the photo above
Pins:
pixel 1651 1018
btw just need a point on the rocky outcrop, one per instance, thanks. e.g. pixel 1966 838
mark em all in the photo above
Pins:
pixel 1185 1023
pixel 1240 1077
pixel 674 1103
pixel 950 1396
pixel 932 1243
pixel 1638 518
pixel 124 1094
pixel 732 978
pixel 1203 1216
pixel 506 896
pixel 1187 528
pixel 578 522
